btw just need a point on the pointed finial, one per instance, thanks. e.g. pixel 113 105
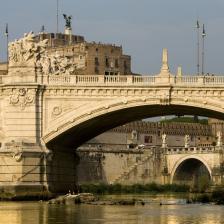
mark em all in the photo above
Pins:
pixel 165 66
pixel 179 71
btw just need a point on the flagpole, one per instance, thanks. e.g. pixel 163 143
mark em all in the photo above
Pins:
pixel 57 15
pixel 198 57
pixel 7 47
pixel 203 49
pixel 7 42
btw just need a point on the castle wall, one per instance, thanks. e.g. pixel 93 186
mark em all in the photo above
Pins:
pixel 120 166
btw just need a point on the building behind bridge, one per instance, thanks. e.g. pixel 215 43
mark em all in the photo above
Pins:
pixel 146 134
pixel 88 58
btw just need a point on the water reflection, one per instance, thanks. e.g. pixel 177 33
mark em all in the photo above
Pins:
pixel 42 213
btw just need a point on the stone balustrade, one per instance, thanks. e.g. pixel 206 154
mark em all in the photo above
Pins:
pixel 133 80
pixel 192 150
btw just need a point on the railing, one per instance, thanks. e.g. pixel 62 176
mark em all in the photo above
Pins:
pixel 187 79
pixel 129 80
pixel 144 79
pixel 59 79
pixel 86 79
pixel 192 150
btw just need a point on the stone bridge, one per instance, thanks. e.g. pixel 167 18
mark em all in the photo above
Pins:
pixel 181 165
pixel 45 116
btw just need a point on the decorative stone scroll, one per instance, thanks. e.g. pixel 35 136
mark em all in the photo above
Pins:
pixel 15 149
pixel 21 97
pixel 165 99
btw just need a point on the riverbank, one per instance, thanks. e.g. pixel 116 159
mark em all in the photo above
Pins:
pixel 96 189
pixel 103 189
pixel 88 198
pixel 215 197
pixel 35 196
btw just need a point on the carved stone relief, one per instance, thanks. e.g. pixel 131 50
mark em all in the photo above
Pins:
pixel 21 97
pixel 26 51
pixel 29 52
pixel 55 65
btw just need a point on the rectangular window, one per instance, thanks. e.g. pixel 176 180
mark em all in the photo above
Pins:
pixel 96 70
pixel 116 63
pixel 107 62
pixel 96 61
pixel 148 139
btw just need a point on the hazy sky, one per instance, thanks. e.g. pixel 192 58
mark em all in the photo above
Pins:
pixel 142 27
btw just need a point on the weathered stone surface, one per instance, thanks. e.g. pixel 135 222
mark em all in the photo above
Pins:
pixel 43 105
pixel 70 199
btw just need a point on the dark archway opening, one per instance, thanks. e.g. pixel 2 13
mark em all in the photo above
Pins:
pixel 194 173
pixel 77 135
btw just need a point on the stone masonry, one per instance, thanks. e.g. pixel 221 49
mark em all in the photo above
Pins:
pixel 46 112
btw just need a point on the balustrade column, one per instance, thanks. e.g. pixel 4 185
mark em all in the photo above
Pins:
pixel 130 79
pixel 201 80
pixel 101 79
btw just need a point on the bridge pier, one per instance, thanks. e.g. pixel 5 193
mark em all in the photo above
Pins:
pixel 61 171
pixel 30 170
pixel 23 169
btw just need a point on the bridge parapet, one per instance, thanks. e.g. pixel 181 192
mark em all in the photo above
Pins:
pixel 131 80
pixel 192 150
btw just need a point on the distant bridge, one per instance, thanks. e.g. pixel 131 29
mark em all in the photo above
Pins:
pixel 169 165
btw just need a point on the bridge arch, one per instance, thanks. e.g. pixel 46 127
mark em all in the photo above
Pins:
pixel 188 164
pixel 76 127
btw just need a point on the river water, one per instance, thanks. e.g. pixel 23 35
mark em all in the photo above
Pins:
pixel 151 213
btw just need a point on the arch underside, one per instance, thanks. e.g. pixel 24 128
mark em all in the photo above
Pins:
pixel 84 131
pixel 192 172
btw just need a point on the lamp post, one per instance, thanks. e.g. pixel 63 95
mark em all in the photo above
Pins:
pixel 203 50
pixel 198 47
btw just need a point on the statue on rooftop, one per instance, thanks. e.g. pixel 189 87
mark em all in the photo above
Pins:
pixel 219 138
pixel 186 141
pixel 68 21
pixel 164 139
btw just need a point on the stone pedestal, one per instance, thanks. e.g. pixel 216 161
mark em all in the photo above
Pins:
pixel 165 77
pixel 23 169
pixel 20 74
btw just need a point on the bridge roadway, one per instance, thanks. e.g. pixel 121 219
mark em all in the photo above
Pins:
pixel 44 117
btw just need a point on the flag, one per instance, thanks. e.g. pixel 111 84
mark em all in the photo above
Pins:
pixel 6 30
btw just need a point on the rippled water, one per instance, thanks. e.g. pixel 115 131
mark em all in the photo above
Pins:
pixel 152 213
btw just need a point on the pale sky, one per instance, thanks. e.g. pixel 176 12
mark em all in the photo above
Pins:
pixel 142 27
